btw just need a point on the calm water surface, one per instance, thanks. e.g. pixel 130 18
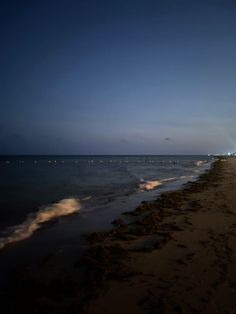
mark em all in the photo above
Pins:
pixel 83 193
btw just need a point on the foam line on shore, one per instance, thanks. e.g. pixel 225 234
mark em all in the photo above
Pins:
pixel 152 184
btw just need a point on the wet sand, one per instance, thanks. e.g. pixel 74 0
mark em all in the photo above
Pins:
pixel 173 255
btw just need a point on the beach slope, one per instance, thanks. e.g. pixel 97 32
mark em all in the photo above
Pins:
pixel 178 255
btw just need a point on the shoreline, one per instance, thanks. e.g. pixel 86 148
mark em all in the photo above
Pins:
pixel 115 265
pixel 11 227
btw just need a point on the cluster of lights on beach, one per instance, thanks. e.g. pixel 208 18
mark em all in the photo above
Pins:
pixel 229 154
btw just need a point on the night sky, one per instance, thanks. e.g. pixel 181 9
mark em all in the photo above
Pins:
pixel 117 77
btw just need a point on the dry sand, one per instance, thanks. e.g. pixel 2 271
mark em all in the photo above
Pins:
pixel 194 271
pixel 174 255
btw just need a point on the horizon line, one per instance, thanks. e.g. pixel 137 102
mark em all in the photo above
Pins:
pixel 3 155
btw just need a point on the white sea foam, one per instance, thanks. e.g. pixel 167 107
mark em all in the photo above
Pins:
pixel 168 179
pixel 187 177
pixel 86 198
pixel 152 184
pixel 200 162
pixel 34 221
pixel 149 185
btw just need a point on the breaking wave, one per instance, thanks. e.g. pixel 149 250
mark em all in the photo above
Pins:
pixel 200 162
pixel 149 185
pixel 33 222
pixel 152 184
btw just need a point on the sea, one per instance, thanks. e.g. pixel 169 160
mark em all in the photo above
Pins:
pixel 48 203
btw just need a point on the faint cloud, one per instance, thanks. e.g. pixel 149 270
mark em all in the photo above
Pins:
pixel 124 140
pixel 139 136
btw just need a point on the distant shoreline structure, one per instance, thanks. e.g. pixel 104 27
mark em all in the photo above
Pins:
pixel 229 154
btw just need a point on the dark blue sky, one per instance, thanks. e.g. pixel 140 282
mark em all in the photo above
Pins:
pixel 117 77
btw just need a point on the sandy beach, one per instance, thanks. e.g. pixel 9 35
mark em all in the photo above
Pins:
pixel 118 157
pixel 172 255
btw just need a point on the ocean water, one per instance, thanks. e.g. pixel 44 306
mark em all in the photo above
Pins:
pixel 36 191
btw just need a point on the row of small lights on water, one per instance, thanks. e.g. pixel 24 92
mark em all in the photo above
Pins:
pixel 92 161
